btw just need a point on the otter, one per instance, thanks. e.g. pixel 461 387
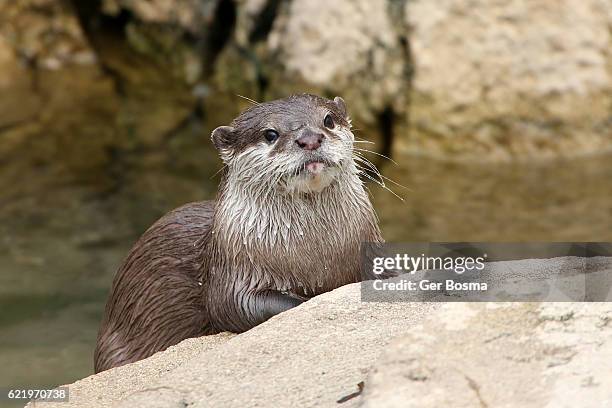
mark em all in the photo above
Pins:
pixel 287 225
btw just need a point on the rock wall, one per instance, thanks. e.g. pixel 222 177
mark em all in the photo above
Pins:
pixel 60 100
pixel 486 79
pixel 345 47
pixel 476 79
pixel 35 35
pixel 511 78
pixel 44 33
pixel 187 14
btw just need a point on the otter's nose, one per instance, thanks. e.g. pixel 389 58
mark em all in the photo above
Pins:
pixel 309 140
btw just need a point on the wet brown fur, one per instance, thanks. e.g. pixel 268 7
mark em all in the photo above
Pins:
pixel 156 299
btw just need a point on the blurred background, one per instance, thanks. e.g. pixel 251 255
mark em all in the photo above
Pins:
pixel 498 115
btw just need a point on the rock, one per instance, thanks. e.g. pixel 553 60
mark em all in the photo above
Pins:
pixel 309 356
pixel 510 78
pixel 499 354
pixel 45 33
pixel 507 80
pixel 344 47
pixel 132 378
pixel 178 36
pixel 8 62
pixel 59 105
pixel 35 34
pixel 501 80
pixel 15 82
pixel 441 354
pixel 188 14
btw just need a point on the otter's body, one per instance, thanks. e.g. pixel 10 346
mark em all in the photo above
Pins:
pixel 287 225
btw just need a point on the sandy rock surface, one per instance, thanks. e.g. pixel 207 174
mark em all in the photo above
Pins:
pixel 500 355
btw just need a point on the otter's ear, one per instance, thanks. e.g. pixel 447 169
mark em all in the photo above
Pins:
pixel 341 106
pixel 222 137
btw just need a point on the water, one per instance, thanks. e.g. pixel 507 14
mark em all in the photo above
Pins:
pixel 561 200
pixel 69 214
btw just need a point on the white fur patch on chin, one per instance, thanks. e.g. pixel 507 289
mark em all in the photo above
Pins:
pixel 311 182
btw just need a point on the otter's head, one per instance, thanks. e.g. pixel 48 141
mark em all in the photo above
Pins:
pixel 299 144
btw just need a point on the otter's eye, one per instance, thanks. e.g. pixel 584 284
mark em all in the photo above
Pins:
pixel 271 135
pixel 328 121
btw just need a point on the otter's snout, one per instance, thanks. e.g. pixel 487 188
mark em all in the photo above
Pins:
pixel 309 140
